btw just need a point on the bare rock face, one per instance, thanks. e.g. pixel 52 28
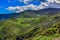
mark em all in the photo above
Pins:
pixel 56 39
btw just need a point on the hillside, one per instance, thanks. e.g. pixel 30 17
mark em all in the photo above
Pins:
pixel 47 11
pixel 31 26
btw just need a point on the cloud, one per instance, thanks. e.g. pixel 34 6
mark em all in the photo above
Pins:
pixel 20 8
pixel 52 1
pixel 28 7
pixel 49 1
pixel 25 1
pixel 16 9
pixel 11 8
pixel 43 5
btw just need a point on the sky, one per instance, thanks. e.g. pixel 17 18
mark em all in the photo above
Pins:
pixel 16 4
pixel 7 3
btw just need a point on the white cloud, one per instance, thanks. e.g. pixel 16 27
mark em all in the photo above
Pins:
pixel 49 1
pixel 52 1
pixel 11 8
pixel 34 7
pixel 28 7
pixel 25 1
pixel 17 8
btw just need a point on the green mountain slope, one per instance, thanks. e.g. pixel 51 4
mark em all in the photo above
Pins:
pixel 30 27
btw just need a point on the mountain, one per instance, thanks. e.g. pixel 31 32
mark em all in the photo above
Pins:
pixel 44 11
pixel 31 25
pixel 48 11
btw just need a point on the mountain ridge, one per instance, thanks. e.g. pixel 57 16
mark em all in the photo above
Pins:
pixel 49 11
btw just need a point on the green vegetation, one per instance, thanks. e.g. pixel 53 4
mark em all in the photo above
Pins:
pixel 31 27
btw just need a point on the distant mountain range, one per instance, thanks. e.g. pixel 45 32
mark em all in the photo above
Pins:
pixel 48 11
